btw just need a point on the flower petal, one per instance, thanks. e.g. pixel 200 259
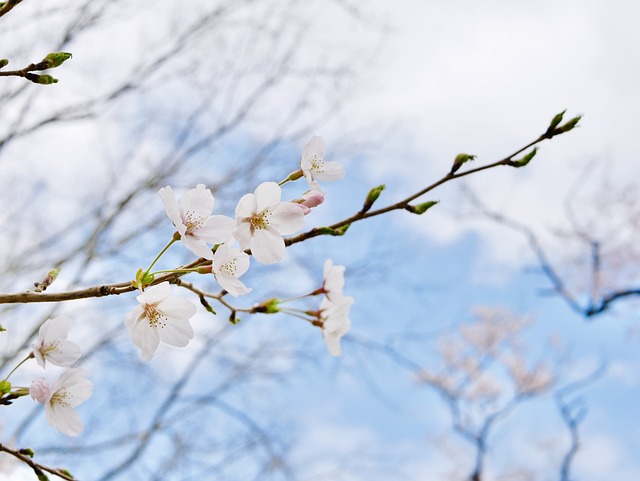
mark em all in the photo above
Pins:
pixel 65 355
pixel 267 194
pixel 231 284
pixel 246 206
pixel 197 246
pixel 145 337
pixel 242 233
pixel 63 419
pixel 177 332
pixel 333 279
pixel 216 229
pixel 155 294
pixel 177 307
pixel 199 201
pixel 287 218
pixel 313 150
pixel 58 327
pixel 330 171
pixel 267 245
pixel 172 209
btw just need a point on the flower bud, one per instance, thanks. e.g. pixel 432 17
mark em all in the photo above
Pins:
pixel 313 198
pixel 39 390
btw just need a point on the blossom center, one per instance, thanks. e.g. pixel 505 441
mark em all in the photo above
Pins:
pixel 62 398
pixel 260 221
pixel 155 317
pixel 51 346
pixel 230 268
pixel 192 221
pixel 317 165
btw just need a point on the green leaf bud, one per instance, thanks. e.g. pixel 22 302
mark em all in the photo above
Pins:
pixel 207 306
pixel 41 78
pixel 54 60
pixel 270 306
pixel 27 452
pixel 2 328
pixel 342 230
pixel 421 208
pixel 5 386
pixel 570 125
pixel 459 160
pixel 555 121
pixel 143 279
pixel 334 232
pixel 526 159
pixel 372 196
pixel 4 62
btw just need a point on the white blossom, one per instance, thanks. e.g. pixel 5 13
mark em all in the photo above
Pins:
pixel 313 165
pixel 67 392
pixel 52 344
pixel 193 220
pixel 228 265
pixel 334 314
pixel 160 317
pixel 333 279
pixel 262 220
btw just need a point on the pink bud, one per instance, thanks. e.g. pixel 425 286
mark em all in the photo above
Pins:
pixel 313 198
pixel 39 390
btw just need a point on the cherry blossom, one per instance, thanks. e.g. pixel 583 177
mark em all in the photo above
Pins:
pixel 160 317
pixel 67 392
pixel 262 220
pixel 334 314
pixel 229 264
pixel 52 344
pixel 314 167
pixel 333 280
pixel 193 220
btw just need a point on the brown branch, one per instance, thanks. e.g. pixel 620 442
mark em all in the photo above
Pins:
pixel 123 287
pixel 38 469
pixel 405 204
pixel 8 6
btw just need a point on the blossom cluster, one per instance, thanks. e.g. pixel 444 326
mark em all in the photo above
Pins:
pixel 71 388
pixel 261 221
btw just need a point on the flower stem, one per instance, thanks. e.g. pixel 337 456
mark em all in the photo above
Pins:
pixel 172 271
pixel 171 242
pixel 19 364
